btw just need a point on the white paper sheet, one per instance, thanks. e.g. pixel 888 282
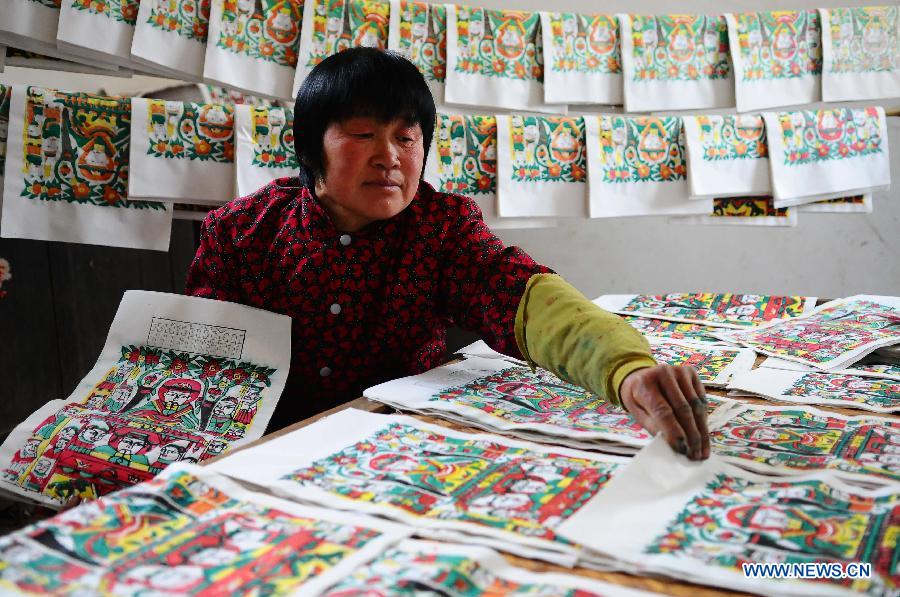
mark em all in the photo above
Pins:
pixel 67 170
pixel 858 204
pixel 817 387
pixel 675 62
pixel 827 153
pixel 777 58
pixel 832 336
pixel 582 58
pixel 496 488
pixel 714 364
pixel 870 370
pixel 743 211
pixel 541 168
pixel 418 30
pixel 637 167
pixel 97 31
pixel 861 53
pixel 30 25
pixel 192 376
pixel 168 38
pixel 191 531
pixel 727 155
pixel 182 151
pixel 495 59
pixel 698 521
pixel 265 146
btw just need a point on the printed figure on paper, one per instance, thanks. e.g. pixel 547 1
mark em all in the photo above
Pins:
pixel 680 47
pixel 439 477
pixel 187 18
pixel 342 24
pixel 467 154
pixel 585 43
pixel 781 44
pixel 709 362
pixel 519 395
pixel 801 439
pixel 5 97
pixel 266 30
pixel 733 137
pixel 864 39
pixel 673 330
pixel 737 309
pixel 642 149
pixel 272 137
pixel 423 37
pixel 830 134
pixel 548 149
pixel 153 408
pixel 48 3
pixel 28 569
pixel 187 130
pixel 500 43
pixel 871 391
pixel 736 520
pixel 76 149
pixel 747 207
pixel 124 11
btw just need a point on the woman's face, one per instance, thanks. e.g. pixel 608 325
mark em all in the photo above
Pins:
pixel 372 170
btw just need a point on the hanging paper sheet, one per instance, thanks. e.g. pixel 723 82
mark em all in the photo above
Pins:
pixel 715 364
pixel 777 58
pixel 98 30
pixel 254 47
pixel 833 336
pixel 419 31
pixel 676 62
pixel 495 58
pixel 886 371
pixel 5 95
pixel 170 36
pixel 67 173
pixel 582 58
pixel 265 147
pixel 463 160
pixel 833 389
pixel 331 26
pixel 719 310
pixel 828 153
pixel 182 151
pixel 673 330
pixel 541 169
pixel 179 378
pixel 190 532
pixel 701 521
pixel 743 211
pixel 861 53
pixel 432 478
pixel 773 439
pixel 727 156
pixel 636 167
pixel 30 25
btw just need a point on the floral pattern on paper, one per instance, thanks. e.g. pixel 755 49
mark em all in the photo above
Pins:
pixel 499 43
pixel 780 44
pixel 679 47
pixel 467 154
pixel 641 149
pixel 864 39
pixel 585 43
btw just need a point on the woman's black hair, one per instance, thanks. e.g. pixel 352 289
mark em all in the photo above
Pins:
pixel 358 82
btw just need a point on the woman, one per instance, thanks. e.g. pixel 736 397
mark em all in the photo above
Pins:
pixel 374 265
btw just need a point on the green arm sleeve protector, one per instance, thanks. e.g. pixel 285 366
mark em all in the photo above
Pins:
pixel 557 328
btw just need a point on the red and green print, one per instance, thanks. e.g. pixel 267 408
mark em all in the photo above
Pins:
pixel 187 18
pixel 187 130
pixel 642 149
pixel 272 136
pixel 812 136
pixel 267 30
pixel 781 44
pixel 548 149
pixel 864 39
pixel 499 43
pixel 423 37
pixel 124 11
pixel 467 154
pixel 679 47
pixel 732 137
pixel 585 43
pixel 869 391
pixel 342 24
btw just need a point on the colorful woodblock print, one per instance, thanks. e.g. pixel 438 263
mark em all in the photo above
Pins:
pixel 674 330
pixel 124 11
pixel 272 136
pixel 781 44
pixel 736 520
pixel 521 396
pixel 76 149
pixel 267 30
pixel 187 130
pixel 828 333
pixel 426 474
pixel 342 24
pixel 153 408
pixel 5 96
pixel 181 536
pixel 801 439
pixel 641 149
pixel 679 47
pixel 732 137
pixel 585 43
pixel 864 39
pixel 48 3
pixel 547 149
pixel 467 154
pixel 748 207
pixel 423 37
pixel 737 309
pixel 499 43
pixel 812 136
pixel 187 18
pixel 871 391
pixel 709 362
